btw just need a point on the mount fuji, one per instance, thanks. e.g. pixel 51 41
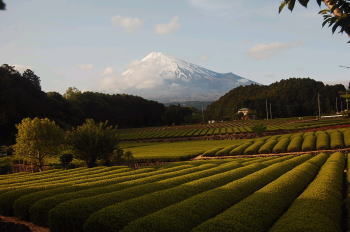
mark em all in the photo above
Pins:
pixel 167 79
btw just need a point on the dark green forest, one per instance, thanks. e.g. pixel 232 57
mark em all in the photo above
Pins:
pixel 288 98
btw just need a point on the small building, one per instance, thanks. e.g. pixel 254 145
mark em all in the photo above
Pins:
pixel 244 111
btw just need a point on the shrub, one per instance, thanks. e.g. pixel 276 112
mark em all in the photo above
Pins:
pixel 226 150
pixel 347 138
pixel 253 149
pixel 212 152
pixel 240 149
pixel 281 145
pixel 337 140
pixel 258 211
pixel 322 141
pixel 5 165
pixel 70 215
pixel 258 129
pixel 295 143
pixel 187 214
pixel 309 143
pixel 319 207
pixel 267 147
pixel 122 213
pixel 66 159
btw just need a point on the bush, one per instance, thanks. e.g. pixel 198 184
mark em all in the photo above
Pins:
pixel 258 129
pixel 71 215
pixel 253 149
pixel 347 138
pixel 281 145
pixel 309 143
pixel 212 152
pixel 187 214
pixel 66 160
pixel 226 150
pixel 319 207
pixel 5 165
pixel 267 146
pixel 240 149
pixel 322 141
pixel 337 140
pixel 258 211
pixel 295 144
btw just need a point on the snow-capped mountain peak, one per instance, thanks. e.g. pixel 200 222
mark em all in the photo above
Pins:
pixel 165 78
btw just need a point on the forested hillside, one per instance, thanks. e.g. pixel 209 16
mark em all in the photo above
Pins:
pixel 21 96
pixel 288 98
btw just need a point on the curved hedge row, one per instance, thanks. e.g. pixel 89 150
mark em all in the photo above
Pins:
pixel 309 143
pixel 322 141
pixel 267 147
pixel 253 149
pixel 295 144
pixel 240 149
pixel 212 152
pixel 337 140
pixel 281 145
pixel 319 207
pixel 189 213
pixel 70 215
pixel 226 150
pixel 258 211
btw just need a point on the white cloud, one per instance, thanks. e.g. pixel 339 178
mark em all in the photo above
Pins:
pixel 167 28
pixel 263 51
pixel 129 24
pixel 107 71
pixel 21 68
pixel 204 57
pixel 86 67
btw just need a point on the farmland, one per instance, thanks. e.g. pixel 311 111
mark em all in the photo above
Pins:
pixel 226 128
pixel 242 194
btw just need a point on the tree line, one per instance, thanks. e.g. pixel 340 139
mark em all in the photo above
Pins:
pixel 294 97
pixel 21 97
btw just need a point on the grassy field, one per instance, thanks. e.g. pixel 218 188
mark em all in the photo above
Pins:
pixel 290 193
pixel 225 128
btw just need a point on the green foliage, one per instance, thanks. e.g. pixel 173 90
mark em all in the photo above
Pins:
pixel 259 211
pixel 226 150
pixel 37 139
pixel 337 14
pixel 212 152
pixel 267 147
pixel 240 149
pixel 319 207
pixel 281 145
pixel 92 141
pixel 309 143
pixel 322 141
pixel 66 159
pixel 253 149
pixel 295 144
pixel 259 129
pixel 337 140
pixel 187 214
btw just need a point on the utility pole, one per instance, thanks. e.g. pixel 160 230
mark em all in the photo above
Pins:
pixel 270 111
pixel 336 104
pixel 267 111
pixel 202 114
pixel 319 105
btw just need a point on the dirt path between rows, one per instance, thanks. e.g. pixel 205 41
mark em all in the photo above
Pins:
pixel 201 157
pixel 31 226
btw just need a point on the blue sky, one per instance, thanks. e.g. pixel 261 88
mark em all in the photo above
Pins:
pixel 79 42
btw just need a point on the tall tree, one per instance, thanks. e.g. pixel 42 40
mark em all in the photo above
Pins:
pixel 2 5
pixel 336 14
pixel 38 139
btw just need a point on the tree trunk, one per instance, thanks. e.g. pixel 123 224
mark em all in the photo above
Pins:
pixel 337 13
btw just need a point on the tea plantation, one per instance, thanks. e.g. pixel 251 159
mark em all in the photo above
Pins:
pixel 287 193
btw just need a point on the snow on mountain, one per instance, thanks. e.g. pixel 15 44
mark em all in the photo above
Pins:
pixel 167 79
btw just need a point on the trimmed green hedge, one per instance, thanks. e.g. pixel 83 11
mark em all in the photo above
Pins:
pixel 309 143
pixel 267 147
pixel 281 145
pixel 212 152
pixel 259 211
pixel 226 150
pixel 240 149
pixel 253 149
pixel 322 141
pixel 70 215
pixel 337 140
pixel 40 210
pixel 347 138
pixel 319 207
pixel 189 213
pixel 115 217
pixel 295 144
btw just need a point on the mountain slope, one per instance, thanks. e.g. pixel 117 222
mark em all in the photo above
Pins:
pixel 168 79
